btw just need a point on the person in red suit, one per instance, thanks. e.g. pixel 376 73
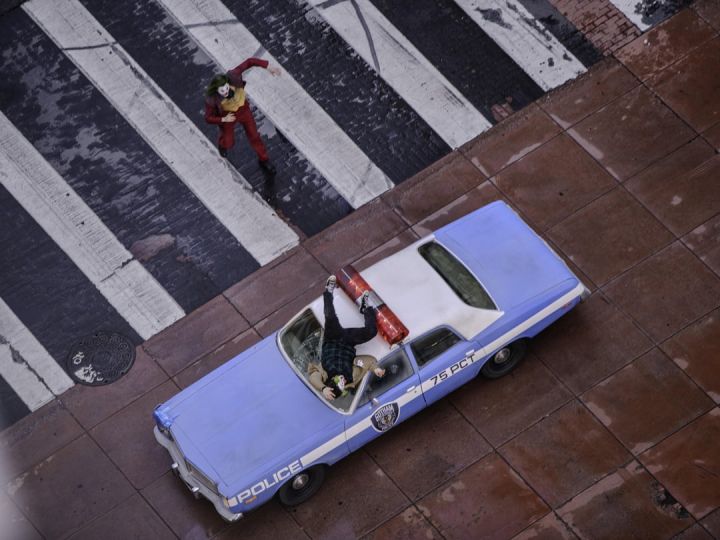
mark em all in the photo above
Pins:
pixel 227 105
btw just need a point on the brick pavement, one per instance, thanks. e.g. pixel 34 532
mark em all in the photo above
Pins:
pixel 609 429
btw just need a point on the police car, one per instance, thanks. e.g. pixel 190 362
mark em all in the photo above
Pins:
pixel 470 296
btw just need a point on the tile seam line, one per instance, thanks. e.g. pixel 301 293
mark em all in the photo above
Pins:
pixel 627 460
pixel 142 496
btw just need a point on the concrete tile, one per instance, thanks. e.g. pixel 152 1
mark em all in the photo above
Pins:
pixel 484 194
pixel 133 518
pixel 510 140
pixel 488 500
pixel 127 437
pixel 631 133
pixel 680 190
pixel 712 135
pixel 278 319
pixel 687 462
pixel 390 247
pixel 69 489
pixel 605 81
pixel 588 344
pixel 439 442
pixel 227 351
pixel 407 525
pixel 646 401
pixel 199 333
pixel 610 235
pixel 186 516
pixel 712 523
pixel 36 437
pixel 704 241
pixel 622 505
pixel 434 187
pixel 268 289
pixel 93 404
pixel 708 10
pixel 14 524
pixel 696 350
pixel 666 292
pixel 699 71
pixel 362 231
pixel 494 409
pixel 553 181
pixel 269 521
pixel 696 532
pixel 665 44
pixel 565 453
pixel 548 528
pixel 356 498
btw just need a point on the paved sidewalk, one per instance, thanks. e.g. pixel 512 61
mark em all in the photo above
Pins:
pixel 609 429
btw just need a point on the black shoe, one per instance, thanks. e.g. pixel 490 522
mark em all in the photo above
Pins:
pixel 223 151
pixel 330 284
pixel 267 167
pixel 365 302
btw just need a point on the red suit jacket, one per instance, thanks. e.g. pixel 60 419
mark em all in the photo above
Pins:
pixel 213 112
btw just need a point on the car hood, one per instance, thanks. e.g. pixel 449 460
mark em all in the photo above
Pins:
pixel 512 262
pixel 240 419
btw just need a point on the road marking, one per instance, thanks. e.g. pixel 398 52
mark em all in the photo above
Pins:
pixel 629 9
pixel 164 127
pixel 404 68
pixel 525 40
pixel 93 248
pixel 25 364
pixel 300 119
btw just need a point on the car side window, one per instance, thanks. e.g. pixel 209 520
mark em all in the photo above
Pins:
pixel 397 368
pixel 432 345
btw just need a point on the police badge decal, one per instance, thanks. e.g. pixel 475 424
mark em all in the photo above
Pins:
pixel 385 417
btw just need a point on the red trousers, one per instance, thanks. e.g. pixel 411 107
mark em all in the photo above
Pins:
pixel 227 133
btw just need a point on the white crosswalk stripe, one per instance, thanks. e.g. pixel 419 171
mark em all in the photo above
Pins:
pixel 300 119
pixel 525 40
pixel 166 129
pixel 629 9
pixel 53 204
pixel 405 69
pixel 26 365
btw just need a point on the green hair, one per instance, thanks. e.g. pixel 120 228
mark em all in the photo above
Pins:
pixel 217 82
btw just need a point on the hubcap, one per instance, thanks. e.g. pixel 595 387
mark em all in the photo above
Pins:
pixel 502 356
pixel 300 481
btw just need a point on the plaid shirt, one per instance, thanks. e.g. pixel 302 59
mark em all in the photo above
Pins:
pixel 337 357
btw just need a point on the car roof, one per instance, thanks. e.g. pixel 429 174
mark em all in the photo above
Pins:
pixel 416 293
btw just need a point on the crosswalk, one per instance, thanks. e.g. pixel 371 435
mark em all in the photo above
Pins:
pixel 118 212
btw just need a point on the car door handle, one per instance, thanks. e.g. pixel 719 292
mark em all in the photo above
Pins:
pixel 410 389
pixel 470 352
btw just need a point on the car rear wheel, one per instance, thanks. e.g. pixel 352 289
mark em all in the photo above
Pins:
pixel 302 486
pixel 504 360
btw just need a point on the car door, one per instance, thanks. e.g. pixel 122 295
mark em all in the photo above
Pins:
pixel 445 361
pixel 386 401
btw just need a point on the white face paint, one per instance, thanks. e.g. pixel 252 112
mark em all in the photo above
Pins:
pixel 224 90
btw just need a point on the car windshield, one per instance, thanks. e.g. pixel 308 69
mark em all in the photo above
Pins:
pixel 456 275
pixel 301 340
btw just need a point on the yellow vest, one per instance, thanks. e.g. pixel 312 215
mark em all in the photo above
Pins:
pixel 234 103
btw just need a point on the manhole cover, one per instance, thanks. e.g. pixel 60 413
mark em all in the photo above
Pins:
pixel 100 359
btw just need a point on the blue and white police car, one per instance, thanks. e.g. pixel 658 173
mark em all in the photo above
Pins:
pixel 470 295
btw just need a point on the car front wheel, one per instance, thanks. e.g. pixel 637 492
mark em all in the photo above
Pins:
pixel 504 360
pixel 302 486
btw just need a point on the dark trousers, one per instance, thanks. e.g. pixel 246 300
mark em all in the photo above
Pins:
pixel 351 336
pixel 227 133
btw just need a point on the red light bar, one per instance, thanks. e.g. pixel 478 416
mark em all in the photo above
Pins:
pixel 389 326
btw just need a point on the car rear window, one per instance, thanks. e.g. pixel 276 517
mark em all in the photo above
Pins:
pixel 456 275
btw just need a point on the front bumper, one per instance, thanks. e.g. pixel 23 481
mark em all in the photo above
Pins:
pixel 196 488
